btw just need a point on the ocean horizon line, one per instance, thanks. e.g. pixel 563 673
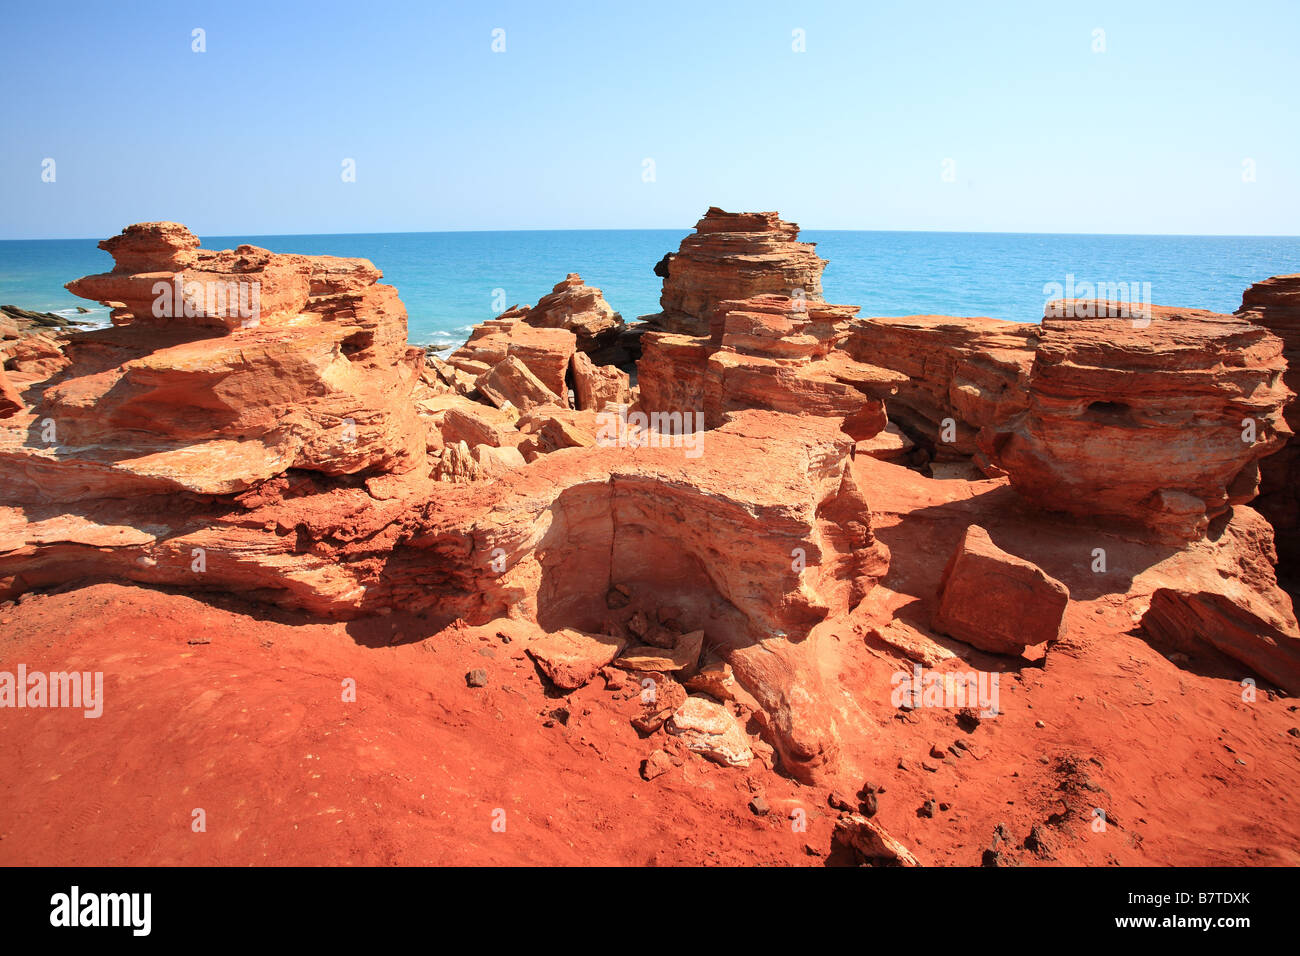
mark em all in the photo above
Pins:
pixel 622 229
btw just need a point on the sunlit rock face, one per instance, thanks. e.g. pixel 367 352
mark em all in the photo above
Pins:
pixel 1159 422
pixel 735 256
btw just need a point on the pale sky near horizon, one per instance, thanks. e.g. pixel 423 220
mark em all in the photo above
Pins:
pixel 1185 123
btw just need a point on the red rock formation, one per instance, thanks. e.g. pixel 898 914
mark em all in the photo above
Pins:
pixel 161 277
pixel 582 310
pixel 10 400
pixel 735 256
pixel 595 386
pixel 768 352
pixel 1243 631
pixel 545 352
pixel 951 376
pixel 161 405
pixel 213 462
pixel 1161 426
pixel 1275 304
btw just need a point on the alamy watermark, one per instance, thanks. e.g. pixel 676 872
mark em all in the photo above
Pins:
pixel 78 689
pixel 954 690
pixel 220 299
pixel 616 427
pixel 1087 300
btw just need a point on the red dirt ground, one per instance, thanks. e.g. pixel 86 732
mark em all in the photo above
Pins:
pixel 237 709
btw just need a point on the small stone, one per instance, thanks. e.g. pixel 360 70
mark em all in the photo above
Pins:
pixel 837 802
pixel 655 765
pixel 476 678
pixel 660 637
pixel 647 723
pixel 937 752
pixel 638 624
pixel 869 805
pixel 927 809
pixel 1036 842
pixel 616 599
pixel 1039 724
pixel 759 805
pixel 711 730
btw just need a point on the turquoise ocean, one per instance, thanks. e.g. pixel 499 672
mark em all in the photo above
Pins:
pixel 449 280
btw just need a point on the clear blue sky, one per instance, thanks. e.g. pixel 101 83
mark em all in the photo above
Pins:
pixel 1045 134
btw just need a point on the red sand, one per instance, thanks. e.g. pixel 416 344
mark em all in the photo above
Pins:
pixel 248 724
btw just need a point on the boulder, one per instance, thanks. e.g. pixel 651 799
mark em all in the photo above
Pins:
pixel 996 601
pixel 1252 634
pixel 871 841
pixel 709 729
pixel 596 386
pixel 511 382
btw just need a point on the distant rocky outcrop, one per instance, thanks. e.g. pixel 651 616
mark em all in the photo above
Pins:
pixel 582 310
pixel 734 256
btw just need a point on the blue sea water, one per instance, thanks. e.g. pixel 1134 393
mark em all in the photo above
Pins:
pixel 448 280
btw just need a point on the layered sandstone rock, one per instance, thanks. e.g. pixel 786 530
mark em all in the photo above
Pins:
pixel 10 400
pixel 309 460
pixel 162 277
pixel 1246 631
pixel 192 403
pixel 769 352
pixel 1275 304
pixel 952 376
pixel 581 309
pixel 1159 425
pixel 541 542
pixel 735 256
pixel 545 352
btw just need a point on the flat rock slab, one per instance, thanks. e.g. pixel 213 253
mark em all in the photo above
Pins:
pixel 710 729
pixel 870 839
pixel 571 658
pixel 683 656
